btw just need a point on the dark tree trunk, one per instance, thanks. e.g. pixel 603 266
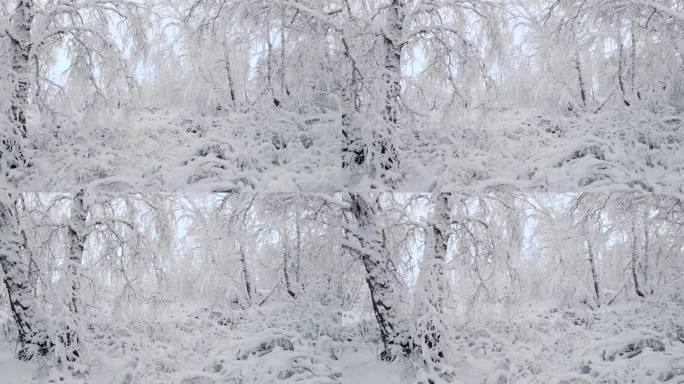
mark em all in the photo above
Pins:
pixel 229 72
pixel 380 278
pixel 20 46
pixel 353 151
pixel 594 271
pixel 32 336
pixel 580 79
pixel 620 74
pixel 383 142
pixel 635 277
pixel 77 229
pixel 286 261
pixel 392 74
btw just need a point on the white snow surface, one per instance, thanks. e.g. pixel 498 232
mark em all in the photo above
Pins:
pixel 162 150
pixel 298 343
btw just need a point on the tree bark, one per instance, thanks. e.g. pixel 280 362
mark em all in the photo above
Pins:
pixel 391 76
pixel 77 237
pixel 620 74
pixel 580 79
pixel 635 89
pixel 594 271
pixel 380 278
pixel 283 57
pixel 353 151
pixel 32 336
pixel 298 251
pixel 432 285
pixel 229 72
pixel 20 47
pixel 245 271
pixel 286 261
pixel 646 250
pixel 635 278
pixel 77 230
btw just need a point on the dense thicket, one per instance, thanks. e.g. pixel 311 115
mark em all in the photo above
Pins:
pixel 376 72
pixel 415 261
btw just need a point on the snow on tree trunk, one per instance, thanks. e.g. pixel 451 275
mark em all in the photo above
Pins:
pixel 580 79
pixel 646 250
pixel 229 72
pixel 245 271
pixel 633 54
pixel 620 73
pixel 432 288
pixel 283 61
pixel 20 45
pixel 298 251
pixel 353 152
pixel 381 278
pixel 635 277
pixel 77 237
pixel 76 245
pixel 391 76
pixel 594 271
pixel 286 260
pixel 164 226
pixel 32 336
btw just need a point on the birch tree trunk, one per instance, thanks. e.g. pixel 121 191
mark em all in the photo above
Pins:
pixel 229 72
pixel 391 76
pixel 76 228
pixel 165 228
pixel 245 272
pixel 269 63
pixel 594 270
pixel 77 237
pixel 633 71
pixel 432 288
pixel 298 251
pixel 646 250
pixel 380 278
pixel 286 260
pixel 620 74
pixel 32 336
pixel 20 46
pixel 283 62
pixel 580 79
pixel 353 152
pixel 635 277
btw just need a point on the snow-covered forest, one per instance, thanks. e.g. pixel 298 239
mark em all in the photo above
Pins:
pixel 341 191
pixel 337 95
pixel 344 288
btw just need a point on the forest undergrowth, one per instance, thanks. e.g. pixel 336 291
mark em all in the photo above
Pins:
pixel 300 342
pixel 614 150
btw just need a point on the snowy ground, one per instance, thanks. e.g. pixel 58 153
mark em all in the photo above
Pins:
pixel 287 343
pixel 159 150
